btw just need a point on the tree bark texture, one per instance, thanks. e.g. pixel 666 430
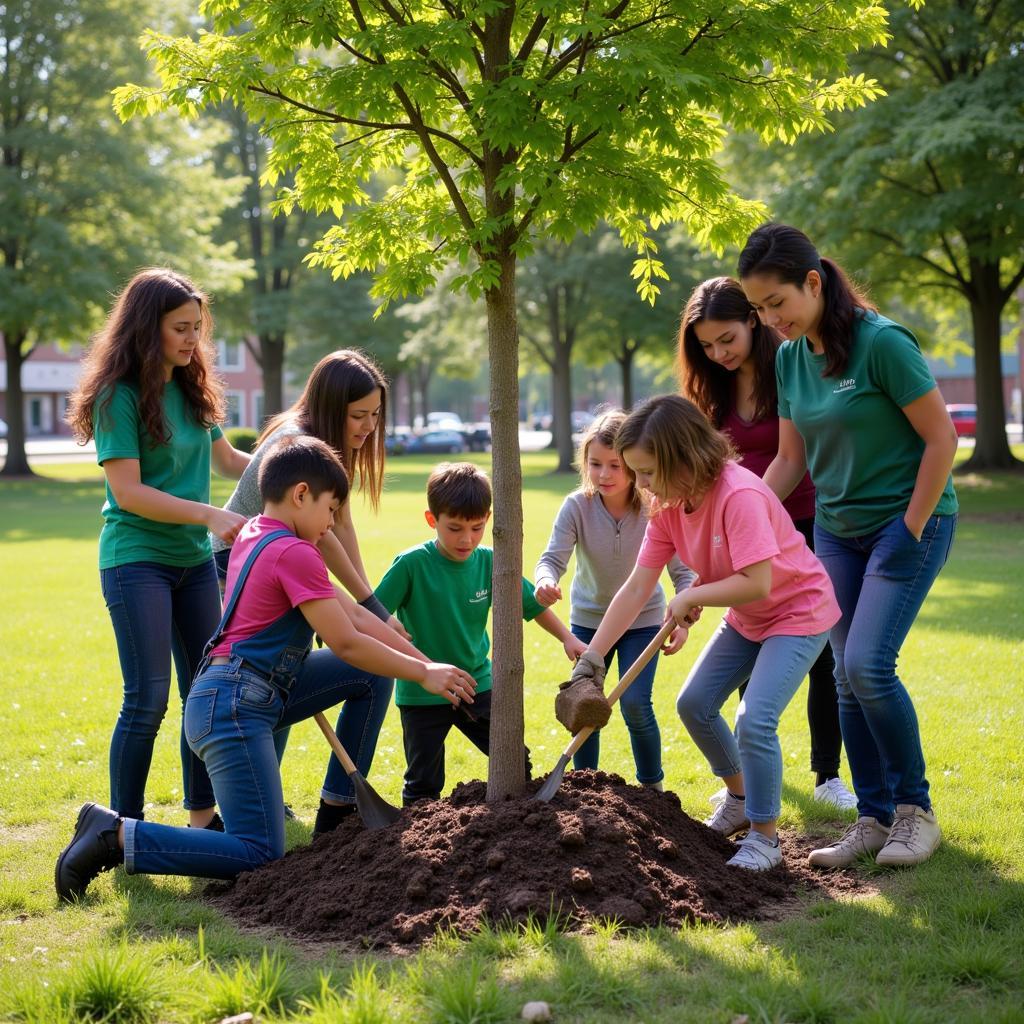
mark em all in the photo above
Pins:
pixel 16 463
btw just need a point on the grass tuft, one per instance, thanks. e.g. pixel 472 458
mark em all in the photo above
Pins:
pixel 112 986
pixel 467 994
pixel 263 986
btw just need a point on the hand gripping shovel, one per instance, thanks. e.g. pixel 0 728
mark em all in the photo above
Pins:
pixel 554 780
pixel 375 811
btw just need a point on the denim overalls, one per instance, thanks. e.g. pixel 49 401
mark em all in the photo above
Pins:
pixel 271 680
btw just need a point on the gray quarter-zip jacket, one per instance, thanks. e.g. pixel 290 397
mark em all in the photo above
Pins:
pixel 606 553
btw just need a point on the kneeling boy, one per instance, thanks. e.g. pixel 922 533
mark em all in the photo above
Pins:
pixel 441 592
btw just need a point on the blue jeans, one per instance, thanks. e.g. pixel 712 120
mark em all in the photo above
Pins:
pixel 635 705
pixel 221 559
pixel 230 718
pixel 881 581
pixel 157 611
pixel 773 669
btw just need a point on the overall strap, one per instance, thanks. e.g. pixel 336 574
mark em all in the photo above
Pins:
pixel 232 600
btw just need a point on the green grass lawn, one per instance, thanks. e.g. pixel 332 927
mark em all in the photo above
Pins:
pixel 941 942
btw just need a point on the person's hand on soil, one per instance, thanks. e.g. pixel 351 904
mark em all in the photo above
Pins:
pixel 675 641
pixel 224 524
pixel 590 666
pixel 547 593
pixel 574 648
pixel 455 685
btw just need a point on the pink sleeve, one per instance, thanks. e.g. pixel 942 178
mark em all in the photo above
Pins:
pixel 301 573
pixel 657 548
pixel 747 519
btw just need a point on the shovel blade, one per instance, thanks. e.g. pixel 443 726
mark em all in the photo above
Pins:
pixel 553 781
pixel 374 810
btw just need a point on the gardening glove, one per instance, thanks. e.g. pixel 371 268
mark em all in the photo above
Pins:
pixel 580 701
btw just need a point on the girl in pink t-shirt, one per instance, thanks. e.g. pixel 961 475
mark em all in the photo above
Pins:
pixel 731 529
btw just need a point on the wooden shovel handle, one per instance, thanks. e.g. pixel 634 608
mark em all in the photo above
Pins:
pixel 625 682
pixel 332 738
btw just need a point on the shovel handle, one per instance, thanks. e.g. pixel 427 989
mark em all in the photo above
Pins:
pixel 625 682
pixel 332 738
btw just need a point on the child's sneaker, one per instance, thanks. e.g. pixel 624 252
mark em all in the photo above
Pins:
pixel 834 793
pixel 912 839
pixel 865 836
pixel 756 853
pixel 717 797
pixel 730 816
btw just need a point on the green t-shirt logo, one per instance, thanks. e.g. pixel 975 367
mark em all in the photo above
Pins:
pixel 845 385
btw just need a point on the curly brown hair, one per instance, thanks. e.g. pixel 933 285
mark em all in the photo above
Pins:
pixel 682 442
pixel 128 348
pixel 340 378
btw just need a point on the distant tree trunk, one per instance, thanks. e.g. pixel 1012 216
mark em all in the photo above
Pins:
pixel 991 447
pixel 625 357
pixel 561 406
pixel 16 463
pixel 271 360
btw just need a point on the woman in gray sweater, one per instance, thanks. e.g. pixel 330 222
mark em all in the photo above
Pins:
pixel 604 522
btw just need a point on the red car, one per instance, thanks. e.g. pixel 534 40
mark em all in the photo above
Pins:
pixel 964 419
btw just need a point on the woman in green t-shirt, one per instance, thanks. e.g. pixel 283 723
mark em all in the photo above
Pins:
pixel 859 407
pixel 148 397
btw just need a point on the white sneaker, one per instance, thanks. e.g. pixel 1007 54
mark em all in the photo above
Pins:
pixel 912 839
pixel 730 816
pixel 756 853
pixel 865 836
pixel 834 793
pixel 716 798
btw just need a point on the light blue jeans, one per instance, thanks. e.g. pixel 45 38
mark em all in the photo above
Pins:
pixel 635 705
pixel 773 670
pixel 230 718
pixel 881 580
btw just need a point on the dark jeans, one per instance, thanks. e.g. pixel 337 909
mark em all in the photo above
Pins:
pixel 157 611
pixel 635 705
pixel 282 734
pixel 230 718
pixel 425 727
pixel 881 580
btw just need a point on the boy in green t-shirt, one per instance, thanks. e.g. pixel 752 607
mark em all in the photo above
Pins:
pixel 441 593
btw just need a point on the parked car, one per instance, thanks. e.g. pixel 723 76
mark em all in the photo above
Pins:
pixel 965 419
pixel 444 421
pixel 436 442
pixel 396 441
pixel 477 437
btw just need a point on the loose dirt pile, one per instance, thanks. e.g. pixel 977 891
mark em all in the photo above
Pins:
pixel 601 848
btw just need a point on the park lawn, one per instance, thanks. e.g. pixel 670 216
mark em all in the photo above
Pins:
pixel 940 942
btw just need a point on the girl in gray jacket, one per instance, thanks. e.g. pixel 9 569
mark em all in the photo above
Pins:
pixel 604 522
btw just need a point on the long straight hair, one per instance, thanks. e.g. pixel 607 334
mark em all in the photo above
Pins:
pixel 129 348
pixel 709 386
pixel 338 380
pixel 788 254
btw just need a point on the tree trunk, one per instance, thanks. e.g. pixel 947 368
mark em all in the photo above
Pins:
pixel 272 366
pixel 423 374
pixel 561 408
pixel 625 360
pixel 991 447
pixel 16 463
pixel 506 773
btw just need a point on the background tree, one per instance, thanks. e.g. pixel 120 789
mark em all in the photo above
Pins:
pixel 925 188
pixel 509 121
pixel 83 201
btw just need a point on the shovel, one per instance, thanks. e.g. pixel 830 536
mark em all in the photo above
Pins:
pixel 554 780
pixel 375 811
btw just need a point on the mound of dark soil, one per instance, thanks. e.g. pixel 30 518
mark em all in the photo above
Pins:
pixel 601 848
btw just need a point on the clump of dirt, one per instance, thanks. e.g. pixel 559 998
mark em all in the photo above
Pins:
pixel 600 848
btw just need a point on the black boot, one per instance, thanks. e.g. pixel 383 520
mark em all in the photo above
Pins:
pixel 92 849
pixel 330 816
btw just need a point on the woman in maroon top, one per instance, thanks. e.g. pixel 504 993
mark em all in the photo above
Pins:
pixel 727 369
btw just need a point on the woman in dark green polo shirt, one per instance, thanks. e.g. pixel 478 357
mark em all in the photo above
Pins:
pixel 149 399
pixel 859 407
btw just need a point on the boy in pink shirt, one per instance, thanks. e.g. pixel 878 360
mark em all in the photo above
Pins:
pixel 726 524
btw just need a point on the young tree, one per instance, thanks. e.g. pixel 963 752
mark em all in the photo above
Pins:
pixel 509 121
pixel 933 174
pixel 83 200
